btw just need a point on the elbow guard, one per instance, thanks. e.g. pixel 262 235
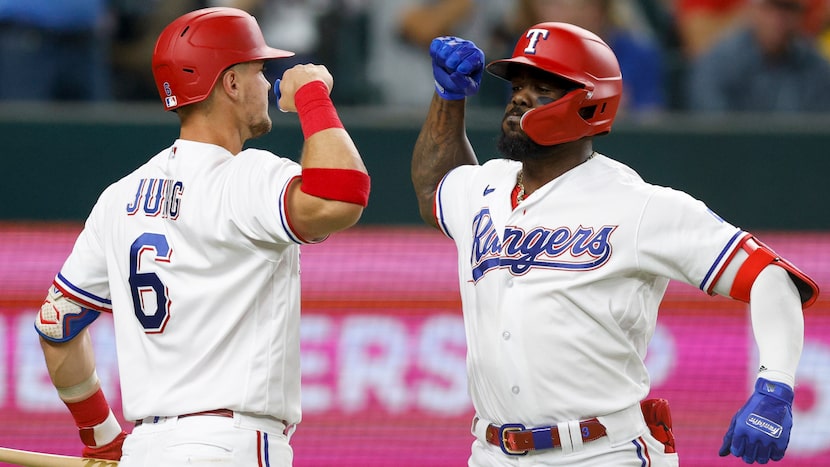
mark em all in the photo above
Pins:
pixel 760 256
pixel 61 319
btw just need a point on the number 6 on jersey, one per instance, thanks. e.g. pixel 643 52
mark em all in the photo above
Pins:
pixel 145 286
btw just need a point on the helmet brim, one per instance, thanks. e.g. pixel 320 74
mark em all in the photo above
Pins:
pixel 270 53
pixel 501 68
pixel 507 68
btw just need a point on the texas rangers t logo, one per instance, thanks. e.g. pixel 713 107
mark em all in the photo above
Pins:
pixel 533 36
pixel 580 249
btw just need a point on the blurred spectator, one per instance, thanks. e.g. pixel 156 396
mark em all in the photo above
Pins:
pixel 55 50
pixel 400 68
pixel 815 16
pixel 702 23
pixel 619 24
pixel 823 29
pixel 138 25
pixel 331 32
pixel 290 24
pixel 344 49
pixel 768 64
pixel 660 17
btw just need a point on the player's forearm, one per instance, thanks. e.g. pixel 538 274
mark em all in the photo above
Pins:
pixel 71 366
pixel 331 148
pixel 442 145
pixel 334 186
pixel 318 206
pixel 69 363
pixel 778 324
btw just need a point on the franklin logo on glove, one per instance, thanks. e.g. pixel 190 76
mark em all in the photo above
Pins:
pixel 764 425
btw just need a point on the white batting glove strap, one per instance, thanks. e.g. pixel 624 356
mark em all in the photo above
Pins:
pixel 777 376
pixel 103 433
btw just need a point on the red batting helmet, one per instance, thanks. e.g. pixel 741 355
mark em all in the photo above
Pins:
pixel 577 55
pixel 197 47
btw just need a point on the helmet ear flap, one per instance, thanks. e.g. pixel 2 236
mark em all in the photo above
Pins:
pixel 560 121
pixel 601 113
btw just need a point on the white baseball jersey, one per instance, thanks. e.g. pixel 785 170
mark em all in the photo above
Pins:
pixel 194 256
pixel 560 295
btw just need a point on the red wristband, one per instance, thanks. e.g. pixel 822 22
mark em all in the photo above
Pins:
pixel 90 411
pixel 315 109
pixel 97 426
pixel 350 186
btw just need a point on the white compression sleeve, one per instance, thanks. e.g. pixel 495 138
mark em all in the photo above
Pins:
pixel 777 323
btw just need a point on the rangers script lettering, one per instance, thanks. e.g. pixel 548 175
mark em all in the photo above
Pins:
pixel 521 250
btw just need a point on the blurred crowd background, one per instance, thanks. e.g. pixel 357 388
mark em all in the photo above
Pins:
pixel 676 55
pixel 383 339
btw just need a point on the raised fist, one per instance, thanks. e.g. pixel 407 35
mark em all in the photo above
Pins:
pixel 294 78
pixel 457 66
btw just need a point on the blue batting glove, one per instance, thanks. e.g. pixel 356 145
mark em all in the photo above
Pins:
pixel 457 66
pixel 278 94
pixel 760 431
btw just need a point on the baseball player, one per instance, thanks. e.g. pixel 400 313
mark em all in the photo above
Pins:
pixel 564 255
pixel 196 255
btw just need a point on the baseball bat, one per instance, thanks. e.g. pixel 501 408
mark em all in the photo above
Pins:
pixel 40 459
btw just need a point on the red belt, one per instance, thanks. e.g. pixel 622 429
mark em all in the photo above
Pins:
pixel 215 413
pixel 516 440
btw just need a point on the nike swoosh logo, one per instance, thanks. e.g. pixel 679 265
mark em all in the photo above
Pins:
pixel 488 190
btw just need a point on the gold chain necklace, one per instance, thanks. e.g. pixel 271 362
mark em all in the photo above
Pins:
pixel 520 196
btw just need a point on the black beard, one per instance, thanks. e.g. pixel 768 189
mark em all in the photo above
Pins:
pixel 520 147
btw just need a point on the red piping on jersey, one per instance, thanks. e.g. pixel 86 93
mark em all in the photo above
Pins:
pixel 646 455
pixel 285 210
pixel 259 448
pixel 723 267
pixel 435 202
pixel 80 301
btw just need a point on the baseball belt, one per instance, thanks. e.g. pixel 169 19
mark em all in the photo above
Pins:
pixel 216 413
pixel 515 439
pixel 227 413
